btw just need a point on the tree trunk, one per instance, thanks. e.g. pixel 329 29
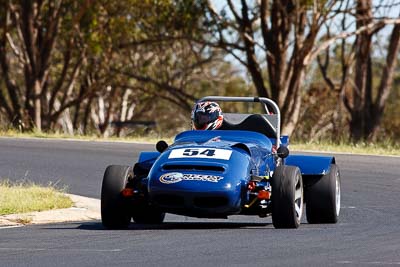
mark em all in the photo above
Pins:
pixel 366 112
pixel 279 21
pixel 86 115
pixel 38 106
pixel 385 85
pixel 361 93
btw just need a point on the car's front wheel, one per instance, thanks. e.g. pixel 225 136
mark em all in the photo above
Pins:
pixel 287 197
pixel 115 213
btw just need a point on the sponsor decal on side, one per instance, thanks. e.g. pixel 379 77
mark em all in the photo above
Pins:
pixel 170 178
pixel 176 177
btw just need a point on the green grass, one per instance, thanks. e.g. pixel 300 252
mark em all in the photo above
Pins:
pixel 379 148
pixel 36 134
pixel 27 197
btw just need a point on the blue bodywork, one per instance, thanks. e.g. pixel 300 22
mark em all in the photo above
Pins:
pixel 311 165
pixel 206 173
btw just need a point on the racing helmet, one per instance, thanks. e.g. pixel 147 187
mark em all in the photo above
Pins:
pixel 206 116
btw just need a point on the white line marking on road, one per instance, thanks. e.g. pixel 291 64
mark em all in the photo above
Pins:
pixel 345 153
pixel 11 226
pixel 369 262
pixel 60 249
pixel 369 207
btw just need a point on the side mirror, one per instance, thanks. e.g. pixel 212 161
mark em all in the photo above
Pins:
pixel 282 152
pixel 161 146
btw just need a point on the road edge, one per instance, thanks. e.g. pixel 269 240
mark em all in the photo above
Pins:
pixel 83 209
pixel 153 143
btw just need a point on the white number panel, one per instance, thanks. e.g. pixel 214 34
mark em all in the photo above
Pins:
pixel 203 152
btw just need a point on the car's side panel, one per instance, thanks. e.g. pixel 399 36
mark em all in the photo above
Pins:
pixel 145 162
pixel 311 165
pixel 148 156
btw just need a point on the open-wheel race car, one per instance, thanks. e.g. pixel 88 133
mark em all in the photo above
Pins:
pixel 244 168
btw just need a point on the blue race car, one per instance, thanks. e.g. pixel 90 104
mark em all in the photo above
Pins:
pixel 242 168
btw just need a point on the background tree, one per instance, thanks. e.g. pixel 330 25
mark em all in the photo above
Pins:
pixel 153 65
pixel 41 55
pixel 280 35
pixel 356 83
pixel 82 66
pixel 278 40
pixel 365 109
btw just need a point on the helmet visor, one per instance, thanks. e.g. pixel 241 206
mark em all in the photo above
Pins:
pixel 201 119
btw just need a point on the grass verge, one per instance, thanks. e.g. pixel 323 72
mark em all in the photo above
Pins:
pixel 36 134
pixel 384 149
pixel 379 148
pixel 27 197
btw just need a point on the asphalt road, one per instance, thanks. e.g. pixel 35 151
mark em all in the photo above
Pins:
pixel 368 233
pixel 79 165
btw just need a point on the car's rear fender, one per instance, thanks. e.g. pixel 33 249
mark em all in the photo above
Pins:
pixel 311 165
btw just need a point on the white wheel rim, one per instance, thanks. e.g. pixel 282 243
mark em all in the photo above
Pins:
pixel 298 198
pixel 337 194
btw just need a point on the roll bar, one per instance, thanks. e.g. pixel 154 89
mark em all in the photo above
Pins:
pixel 265 101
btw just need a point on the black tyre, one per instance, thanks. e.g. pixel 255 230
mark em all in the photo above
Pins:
pixel 287 197
pixel 323 198
pixel 115 212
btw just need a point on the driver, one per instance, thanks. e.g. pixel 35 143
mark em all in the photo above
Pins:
pixel 206 116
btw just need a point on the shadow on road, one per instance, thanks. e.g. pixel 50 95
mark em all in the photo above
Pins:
pixel 179 226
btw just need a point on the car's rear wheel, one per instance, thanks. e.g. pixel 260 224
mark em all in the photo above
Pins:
pixel 287 197
pixel 115 212
pixel 323 198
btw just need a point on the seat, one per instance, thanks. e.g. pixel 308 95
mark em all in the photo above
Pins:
pixel 255 123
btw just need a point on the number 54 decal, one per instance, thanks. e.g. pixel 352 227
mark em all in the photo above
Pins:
pixel 203 152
